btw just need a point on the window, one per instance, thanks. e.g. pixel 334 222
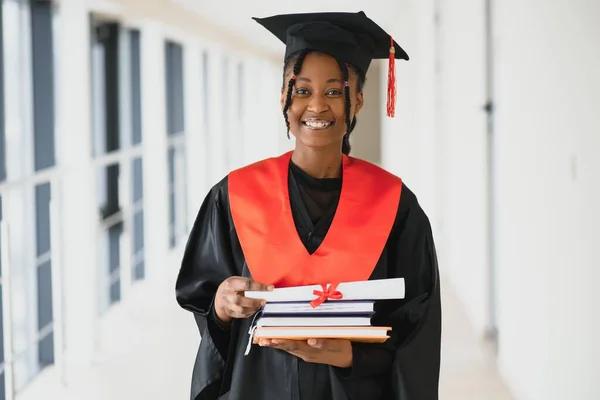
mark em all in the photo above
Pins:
pixel 27 163
pixel 174 88
pixel 106 133
pixel 206 108
pixel 2 177
pixel 227 114
pixel 176 158
pixel 2 145
pixel 138 261
pixel 117 139
pixel 2 294
pixel 43 263
pixel 137 190
pixel 206 91
pixel 238 147
pixel 240 93
pixel 43 85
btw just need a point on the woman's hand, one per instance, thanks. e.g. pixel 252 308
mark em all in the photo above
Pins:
pixel 335 352
pixel 230 302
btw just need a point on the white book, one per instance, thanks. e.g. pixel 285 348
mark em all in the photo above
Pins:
pixel 338 307
pixel 308 321
pixel 380 289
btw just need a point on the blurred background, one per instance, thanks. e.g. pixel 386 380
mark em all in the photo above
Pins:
pixel 117 116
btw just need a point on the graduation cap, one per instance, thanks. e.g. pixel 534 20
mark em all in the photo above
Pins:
pixel 350 37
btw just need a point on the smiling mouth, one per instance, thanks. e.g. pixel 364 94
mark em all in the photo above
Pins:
pixel 318 124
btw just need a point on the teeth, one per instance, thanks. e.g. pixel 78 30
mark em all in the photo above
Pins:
pixel 317 124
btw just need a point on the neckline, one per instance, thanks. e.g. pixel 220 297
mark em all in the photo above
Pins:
pixel 320 184
pixel 336 216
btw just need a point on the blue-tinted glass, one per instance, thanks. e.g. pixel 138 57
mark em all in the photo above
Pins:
pixel 139 270
pixel 115 291
pixel 1 315
pixel 2 145
pixel 178 86
pixel 42 218
pixel 172 209
pixel 1 327
pixel 109 190
pixel 46 350
pixel 138 180
pixel 105 79
pixel 173 240
pixel 136 92
pixel 114 247
pixel 205 73
pixel 44 284
pixel 2 386
pixel 174 88
pixel 0 234
pixel 171 167
pixel 2 377
pixel 169 86
pixel 43 83
pixel 110 37
pixel 114 257
pixel 138 231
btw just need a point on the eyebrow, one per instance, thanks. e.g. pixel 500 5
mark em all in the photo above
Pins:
pixel 300 78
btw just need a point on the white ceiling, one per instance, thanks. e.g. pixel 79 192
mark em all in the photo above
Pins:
pixel 236 15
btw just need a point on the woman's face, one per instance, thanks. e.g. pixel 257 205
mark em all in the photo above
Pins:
pixel 317 111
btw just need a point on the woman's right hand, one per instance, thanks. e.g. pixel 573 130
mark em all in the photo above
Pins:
pixel 230 302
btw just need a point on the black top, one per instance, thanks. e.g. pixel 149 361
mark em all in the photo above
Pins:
pixel 406 367
pixel 314 214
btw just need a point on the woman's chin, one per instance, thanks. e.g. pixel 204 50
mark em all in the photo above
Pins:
pixel 319 139
pixel 320 144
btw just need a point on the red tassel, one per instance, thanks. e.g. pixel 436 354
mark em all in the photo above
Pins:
pixel 391 89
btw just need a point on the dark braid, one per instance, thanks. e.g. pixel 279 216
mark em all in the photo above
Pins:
pixel 291 83
pixel 349 125
pixel 298 60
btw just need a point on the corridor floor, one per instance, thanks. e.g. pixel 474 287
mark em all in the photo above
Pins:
pixel 149 356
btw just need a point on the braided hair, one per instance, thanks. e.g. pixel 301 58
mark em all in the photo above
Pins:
pixel 295 63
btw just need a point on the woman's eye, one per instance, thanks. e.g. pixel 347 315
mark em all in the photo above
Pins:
pixel 301 92
pixel 334 92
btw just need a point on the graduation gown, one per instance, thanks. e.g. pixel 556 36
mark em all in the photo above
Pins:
pixel 406 367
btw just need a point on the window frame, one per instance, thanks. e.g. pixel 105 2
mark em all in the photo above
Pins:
pixel 174 59
pixel 21 59
pixel 130 149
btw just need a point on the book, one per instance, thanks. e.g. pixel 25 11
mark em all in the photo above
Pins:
pixel 312 321
pixel 369 334
pixel 345 307
pixel 336 311
pixel 378 289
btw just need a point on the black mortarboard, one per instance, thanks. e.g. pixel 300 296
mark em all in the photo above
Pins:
pixel 350 37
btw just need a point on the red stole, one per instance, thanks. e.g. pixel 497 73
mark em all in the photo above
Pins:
pixel 260 208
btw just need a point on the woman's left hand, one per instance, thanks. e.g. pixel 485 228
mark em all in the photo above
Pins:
pixel 335 352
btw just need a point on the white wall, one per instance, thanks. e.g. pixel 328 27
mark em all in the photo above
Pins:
pixel 547 163
pixel 548 146
pixel 408 138
pixel 462 141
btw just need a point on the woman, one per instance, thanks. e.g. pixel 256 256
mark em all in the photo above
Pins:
pixel 314 216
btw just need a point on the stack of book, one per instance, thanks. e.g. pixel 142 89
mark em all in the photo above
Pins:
pixel 341 311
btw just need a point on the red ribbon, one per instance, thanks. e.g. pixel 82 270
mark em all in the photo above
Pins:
pixel 327 293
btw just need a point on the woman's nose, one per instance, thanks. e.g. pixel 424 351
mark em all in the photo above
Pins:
pixel 318 104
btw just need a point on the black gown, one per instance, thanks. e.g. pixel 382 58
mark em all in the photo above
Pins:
pixel 406 367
